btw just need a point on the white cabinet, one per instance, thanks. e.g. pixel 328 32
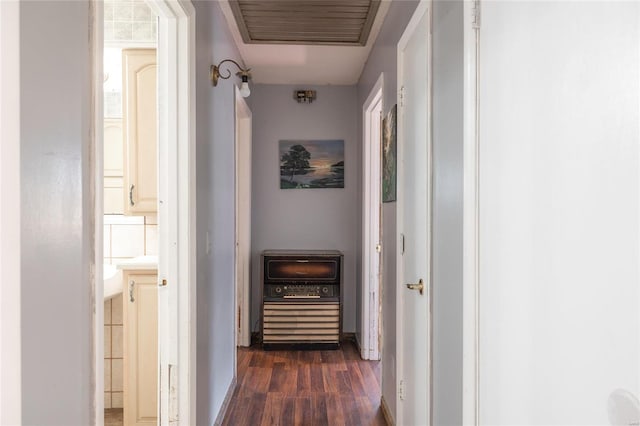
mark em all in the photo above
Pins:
pixel 139 92
pixel 140 315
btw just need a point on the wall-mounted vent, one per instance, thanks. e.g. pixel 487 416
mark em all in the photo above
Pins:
pixel 324 22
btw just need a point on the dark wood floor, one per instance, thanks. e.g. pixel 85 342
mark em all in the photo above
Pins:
pixel 283 388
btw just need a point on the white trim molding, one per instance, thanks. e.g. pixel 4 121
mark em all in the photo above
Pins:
pixel 371 172
pixel 10 294
pixel 470 272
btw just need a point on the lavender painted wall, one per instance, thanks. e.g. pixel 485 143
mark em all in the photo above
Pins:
pixel 304 218
pixel 215 213
pixel 383 59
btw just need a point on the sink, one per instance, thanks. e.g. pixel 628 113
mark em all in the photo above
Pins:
pixel 112 281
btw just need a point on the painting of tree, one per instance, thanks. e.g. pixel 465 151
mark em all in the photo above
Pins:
pixel 389 162
pixel 295 161
pixel 311 164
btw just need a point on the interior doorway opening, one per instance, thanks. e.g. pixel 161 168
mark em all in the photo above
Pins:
pixel 172 288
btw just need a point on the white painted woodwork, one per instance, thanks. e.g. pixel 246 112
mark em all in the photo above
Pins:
pixel 369 338
pixel 10 217
pixel 559 214
pixel 243 219
pixel 140 125
pixel 140 319
pixel 470 219
pixel 414 220
pixel 177 211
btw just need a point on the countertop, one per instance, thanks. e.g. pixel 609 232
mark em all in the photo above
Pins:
pixel 139 263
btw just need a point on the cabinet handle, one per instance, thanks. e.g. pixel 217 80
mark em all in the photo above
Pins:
pixel 132 284
pixel 131 195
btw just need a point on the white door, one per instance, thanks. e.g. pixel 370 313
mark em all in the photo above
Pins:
pixel 414 221
pixel 559 212
pixel 243 220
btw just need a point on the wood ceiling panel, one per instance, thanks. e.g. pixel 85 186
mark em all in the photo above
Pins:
pixel 346 22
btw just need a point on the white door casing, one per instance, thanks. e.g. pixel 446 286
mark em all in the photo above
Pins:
pixel 372 223
pixel 470 265
pixel 414 220
pixel 243 219
pixel 10 206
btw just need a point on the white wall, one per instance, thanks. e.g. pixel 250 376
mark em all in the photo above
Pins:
pixel 10 362
pixel 304 218
pixel 383 58
pixel 447 211
pixel 559 210
pixel 215 213
pixel 56 216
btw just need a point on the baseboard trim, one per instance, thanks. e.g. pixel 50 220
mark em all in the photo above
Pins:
pixel 225 403
pixel 348 336
pixel 386 412
pixel 357 342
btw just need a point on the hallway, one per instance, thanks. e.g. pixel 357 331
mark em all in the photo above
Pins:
pixel 305 388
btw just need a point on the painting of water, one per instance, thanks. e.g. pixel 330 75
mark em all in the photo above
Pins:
pixel 311 164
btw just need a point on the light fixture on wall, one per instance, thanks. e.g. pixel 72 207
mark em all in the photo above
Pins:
pixel 214 73
pixel 304 96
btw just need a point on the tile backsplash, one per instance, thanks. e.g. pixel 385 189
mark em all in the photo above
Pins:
pixel 124 237
pixel 113 356
pixel 129 236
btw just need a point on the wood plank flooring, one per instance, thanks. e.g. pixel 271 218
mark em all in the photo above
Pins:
pixel 284 388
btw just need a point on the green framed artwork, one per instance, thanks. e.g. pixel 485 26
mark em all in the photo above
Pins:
pixel 389 160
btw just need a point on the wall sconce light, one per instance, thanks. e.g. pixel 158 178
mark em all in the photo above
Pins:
pixel 304 96
pixel 244 74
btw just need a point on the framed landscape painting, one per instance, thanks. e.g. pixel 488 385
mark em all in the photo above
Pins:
pixel 311 164
pixel 389 161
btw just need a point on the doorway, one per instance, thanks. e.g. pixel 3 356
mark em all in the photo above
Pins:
pixel 174 283
pixel 369 340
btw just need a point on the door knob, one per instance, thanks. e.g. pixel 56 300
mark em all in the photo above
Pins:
pixel 419 286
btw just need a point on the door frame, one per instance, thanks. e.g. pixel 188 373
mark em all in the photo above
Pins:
pixel 371 220
pixel 176 209
pixel 470 217
pixel 425 6
pixel 243 118
pixel 10 207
